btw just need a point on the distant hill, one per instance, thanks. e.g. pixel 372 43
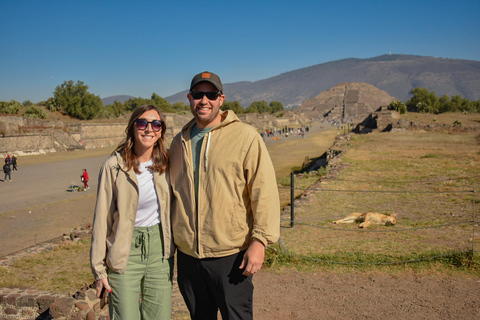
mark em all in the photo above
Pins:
pixel 110 100
pixel 395 74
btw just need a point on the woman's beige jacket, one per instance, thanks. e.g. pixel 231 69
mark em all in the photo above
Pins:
pixel 115 211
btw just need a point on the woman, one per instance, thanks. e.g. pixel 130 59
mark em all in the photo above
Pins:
pixel 132 248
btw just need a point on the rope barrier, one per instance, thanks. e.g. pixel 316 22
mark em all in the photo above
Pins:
pixel 391 230
pixel 377 191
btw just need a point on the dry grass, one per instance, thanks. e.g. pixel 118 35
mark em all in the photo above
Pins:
pixel 61 270
pixel 426 179
pixel 445 118
pixel 289 155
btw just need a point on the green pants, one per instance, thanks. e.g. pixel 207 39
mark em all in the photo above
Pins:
pixel 144 291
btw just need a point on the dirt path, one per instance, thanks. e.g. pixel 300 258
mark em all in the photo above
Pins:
pixel 36 205
pixel 297 295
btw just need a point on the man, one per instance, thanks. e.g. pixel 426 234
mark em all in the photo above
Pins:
pixel 7 170
pixel 225 207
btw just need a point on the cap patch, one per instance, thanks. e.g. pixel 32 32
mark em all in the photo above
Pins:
pixel 205 75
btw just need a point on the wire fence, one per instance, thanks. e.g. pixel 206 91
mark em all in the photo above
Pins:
pixel 447 230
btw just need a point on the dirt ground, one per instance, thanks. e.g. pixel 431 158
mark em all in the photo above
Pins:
pixel 297 295
pixel 26 217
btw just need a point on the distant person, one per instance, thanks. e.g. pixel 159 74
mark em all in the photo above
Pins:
pixel 84 178
pixel 132 247
pixel 7 170
pixel 7 159
pixel 14 163
pixel 225 206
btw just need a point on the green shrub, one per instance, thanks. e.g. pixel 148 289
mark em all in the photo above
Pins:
pixel 398 106
pixel 35 112
pixel 51 105
pixel 11 107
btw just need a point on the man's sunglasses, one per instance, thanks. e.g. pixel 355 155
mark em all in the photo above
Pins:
pixel 142 124
pixel 211 95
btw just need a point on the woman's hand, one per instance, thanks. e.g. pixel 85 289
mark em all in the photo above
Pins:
pixel 100 284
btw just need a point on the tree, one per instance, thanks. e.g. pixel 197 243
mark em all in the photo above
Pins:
pixel 235 106
pixel 77 101
pixel 161 103
pixel 118 108
pixel 51 104
pixel 276 106
pixel 132 103
pixel 112 110
pixel 258 107
pixel 444 104
pixel 398 106
pixel 180 107
pixel 423 101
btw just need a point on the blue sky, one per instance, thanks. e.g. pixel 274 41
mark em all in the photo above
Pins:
pixel 140 47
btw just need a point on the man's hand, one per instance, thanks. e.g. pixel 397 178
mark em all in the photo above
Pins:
pixel 253 258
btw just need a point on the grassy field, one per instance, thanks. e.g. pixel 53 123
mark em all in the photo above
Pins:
pixel 426 179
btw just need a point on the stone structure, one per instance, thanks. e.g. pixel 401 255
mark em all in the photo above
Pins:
pixel 384 120
pixel 346 102
pixel 270 121
pixel 23 136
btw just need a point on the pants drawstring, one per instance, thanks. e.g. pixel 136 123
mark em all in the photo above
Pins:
pixel 143 240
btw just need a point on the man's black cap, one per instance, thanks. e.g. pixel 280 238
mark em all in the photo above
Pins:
pixel 207 76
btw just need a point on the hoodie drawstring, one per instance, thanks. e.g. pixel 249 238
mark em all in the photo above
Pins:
pixel 209 134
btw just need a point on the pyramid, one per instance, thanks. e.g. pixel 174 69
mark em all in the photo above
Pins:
pixel 346 102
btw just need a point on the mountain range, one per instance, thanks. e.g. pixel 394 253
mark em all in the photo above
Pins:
pixel 397 74
pixel 120 98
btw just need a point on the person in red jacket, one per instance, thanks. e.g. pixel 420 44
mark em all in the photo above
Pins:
pixel 84 177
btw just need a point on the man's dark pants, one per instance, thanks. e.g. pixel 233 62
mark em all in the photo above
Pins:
pixel 215 283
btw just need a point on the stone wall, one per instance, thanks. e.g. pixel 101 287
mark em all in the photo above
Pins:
pixel 384 120
pixel 27 143
pixel 29 304
pixel 23 136
pixel 101 135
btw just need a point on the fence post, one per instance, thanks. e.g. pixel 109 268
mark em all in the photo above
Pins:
pixel 292 199
pixel 474 221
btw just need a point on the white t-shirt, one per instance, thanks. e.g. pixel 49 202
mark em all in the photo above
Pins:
pixel 148 211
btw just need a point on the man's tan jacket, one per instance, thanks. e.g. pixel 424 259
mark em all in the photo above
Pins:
pixel 237 194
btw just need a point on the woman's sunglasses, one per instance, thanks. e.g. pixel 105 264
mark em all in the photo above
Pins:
pixel 142 124
pixel 211 95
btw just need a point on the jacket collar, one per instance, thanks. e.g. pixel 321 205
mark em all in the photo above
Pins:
pixel 228 117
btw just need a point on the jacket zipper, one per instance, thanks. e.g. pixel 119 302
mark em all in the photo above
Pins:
pixel 192 191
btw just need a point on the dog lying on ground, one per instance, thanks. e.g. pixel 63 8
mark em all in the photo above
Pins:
pixel 368 218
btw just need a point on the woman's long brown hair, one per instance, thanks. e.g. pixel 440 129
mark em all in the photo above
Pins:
pixel 126 147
